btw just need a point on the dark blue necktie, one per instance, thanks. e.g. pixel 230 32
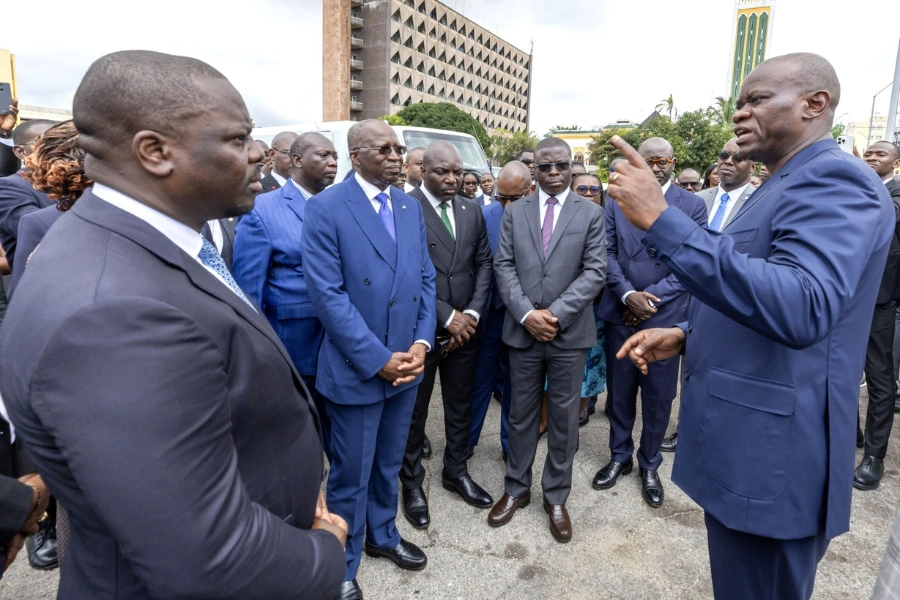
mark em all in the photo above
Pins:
pixel 386 216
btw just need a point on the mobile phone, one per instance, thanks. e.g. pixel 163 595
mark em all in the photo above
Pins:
pixel 5 97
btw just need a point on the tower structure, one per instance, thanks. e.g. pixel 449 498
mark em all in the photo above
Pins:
pixel 752 37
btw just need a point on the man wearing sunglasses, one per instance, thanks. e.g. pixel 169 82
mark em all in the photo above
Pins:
pixel 642 292
pixel 690 180
pixel 550 265
pixel 724 201
pixel 280 157
pixel 371 283
pixel 527 157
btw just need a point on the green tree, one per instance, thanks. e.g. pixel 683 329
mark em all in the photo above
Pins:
pixel 837 131
pixel 505 146
pixel 721 111
pixel 668 105
pixel 393 120
pixel 443 115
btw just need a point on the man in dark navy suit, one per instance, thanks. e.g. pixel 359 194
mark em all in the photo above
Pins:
pixel 776 333
pixel 17 196
pixel 371 282
pixel 642 293
pixel 513 183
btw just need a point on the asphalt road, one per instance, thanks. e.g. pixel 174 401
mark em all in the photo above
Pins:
pixel 621 547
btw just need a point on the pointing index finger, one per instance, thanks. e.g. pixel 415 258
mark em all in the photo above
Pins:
pixel 629 153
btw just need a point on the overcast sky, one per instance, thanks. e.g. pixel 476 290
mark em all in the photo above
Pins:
pixel 595 61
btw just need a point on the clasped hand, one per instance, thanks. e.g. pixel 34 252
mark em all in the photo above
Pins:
pixel 404 367
pixel 542 325
pixel 39 502
pixel 461 328
pixel 638 308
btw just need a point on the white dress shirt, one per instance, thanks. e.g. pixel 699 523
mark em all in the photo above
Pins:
pixel 733 195
pixel 408 187
pixel 665 189
pixel 542 198
pixel 281 180
pixel 178 233
pixel 436 204
pixel 303 191
pixel 371 191
pixel 218 237
pixel 885 182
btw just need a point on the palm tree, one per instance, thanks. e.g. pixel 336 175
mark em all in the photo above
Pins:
pixel 722 110
pixel 668 105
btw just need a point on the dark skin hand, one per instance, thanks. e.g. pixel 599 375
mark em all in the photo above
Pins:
pixel 652 345
pixel 404 367
pixel 458 340
pixel 638 307
pixel 330 522
pixel 8 121
pixel 39 502
pixel 542 325
pixel 635 188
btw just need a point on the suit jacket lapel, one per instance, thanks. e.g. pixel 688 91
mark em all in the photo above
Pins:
pixel 568 210
pixel 748 191
pixel 295 199
pixel 533 216
pixel 461 218
pixel 371 224
pixel 408 233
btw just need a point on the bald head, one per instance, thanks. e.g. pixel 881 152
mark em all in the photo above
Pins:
pixel 280 153
pixel 365 128
pixel 308 139
pixel 415 169
pixel 810 72
pixel 438 152
pixel 284 140
pixel 134 90
pixel 656 146
pixel 513 181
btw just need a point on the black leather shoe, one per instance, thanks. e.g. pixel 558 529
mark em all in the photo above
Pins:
pixel 860 439
pixel 607 476
pixel 41 547
pixel 584 418
pixel 415 508
pixel 472 493
pixel 868 474
pixel 350 590
pixel 426 448
pixel 669 443
pixel 651 487
pixel 406 555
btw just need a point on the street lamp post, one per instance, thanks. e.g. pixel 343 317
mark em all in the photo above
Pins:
pixel 872 116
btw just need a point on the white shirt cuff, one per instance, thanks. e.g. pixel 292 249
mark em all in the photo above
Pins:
pixel 424 343
pixel 526 316
pixel 474 314
pixel 626 294
pixel 450 320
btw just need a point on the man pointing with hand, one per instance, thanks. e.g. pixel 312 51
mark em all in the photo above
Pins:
pixel 782 300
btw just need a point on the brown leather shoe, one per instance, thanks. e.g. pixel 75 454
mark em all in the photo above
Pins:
pixel 560 525
pixel 505 508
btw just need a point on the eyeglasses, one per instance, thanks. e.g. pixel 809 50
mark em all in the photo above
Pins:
pixel 511 198
pixel 662 163
pixel 690 184
pixel 385 150
pixel 286 152
pixel 527 161
pixel 736 157
pixel 547 167
pixel 581 190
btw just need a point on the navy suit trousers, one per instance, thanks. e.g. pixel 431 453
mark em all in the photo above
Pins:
pixel 658 388
pixel 493 359
pixel 744 565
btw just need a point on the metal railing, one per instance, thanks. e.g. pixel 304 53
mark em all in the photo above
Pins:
pixel 355 105
pixel 356 64
pixel 356 42
pixel 357 21
pixel 356 84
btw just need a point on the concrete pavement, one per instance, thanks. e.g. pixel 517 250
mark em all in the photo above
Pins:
pixel 621 547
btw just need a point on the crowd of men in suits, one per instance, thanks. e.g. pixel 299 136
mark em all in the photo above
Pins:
pixel 226 330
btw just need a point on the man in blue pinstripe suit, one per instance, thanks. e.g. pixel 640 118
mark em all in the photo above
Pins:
pixel 268 263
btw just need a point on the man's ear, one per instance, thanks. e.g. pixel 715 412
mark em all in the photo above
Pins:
pixel 533 188
pixel 153 152
pixel 816 104
pixel 19 151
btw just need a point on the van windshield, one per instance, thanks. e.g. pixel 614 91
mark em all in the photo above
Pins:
pixel 472 154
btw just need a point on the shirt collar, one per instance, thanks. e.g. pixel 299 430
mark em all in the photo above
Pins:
pixel 666 187
pixel 733 194
pixel 561 197
pixel 370 190
pixel 434 200
pixel 281 180
pixel 888 180
pixel 303 191
pixel 180 234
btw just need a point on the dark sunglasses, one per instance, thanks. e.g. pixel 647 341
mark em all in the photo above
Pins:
pixel 511 198
pixel 547 167
pixel 385 150
pixel 689 184
pixel 527 161
pixel 737 158
pixel 581 190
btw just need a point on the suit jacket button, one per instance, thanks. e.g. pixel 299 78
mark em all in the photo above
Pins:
pixel 473 243
pixel 433 245
pixel 366 281
pixel 687 375
pixel 690 329
pixel 652 251
pixel 471 272
pixel 535 304
pixel 415 298
pixel 543 276
pixel 656 265
pixel 631 262
pixel 451 277
pixel 393 303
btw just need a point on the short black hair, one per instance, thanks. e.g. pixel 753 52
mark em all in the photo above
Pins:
pixel 129 91
pixel 477 174
pixel 23 129
pixel 895 149
pixel 487 173
pixel 553 142
pixel 524 152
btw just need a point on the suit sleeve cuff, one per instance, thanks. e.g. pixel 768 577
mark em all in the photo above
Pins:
pixel 474 314
pixel 525 317
pixel 626 294
pixel 450 320
pixel 668 233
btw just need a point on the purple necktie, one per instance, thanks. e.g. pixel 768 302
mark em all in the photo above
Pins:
pixel 547 227
pixel 386 216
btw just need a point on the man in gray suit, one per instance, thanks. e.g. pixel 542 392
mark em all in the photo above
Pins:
pixel 157 402
pixel 550 264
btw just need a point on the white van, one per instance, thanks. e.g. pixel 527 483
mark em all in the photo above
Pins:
pixel 411 137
